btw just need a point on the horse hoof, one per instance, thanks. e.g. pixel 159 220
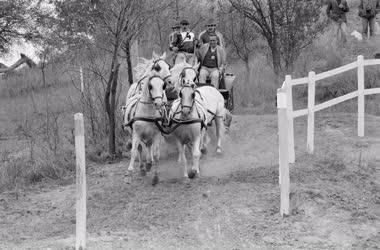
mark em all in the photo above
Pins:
pixel 193 174
pixel 128 178
pixel 218 151
pixel 155 180
pixel 204 151
pixel 129 146
pixel 148 166
pixel 142 172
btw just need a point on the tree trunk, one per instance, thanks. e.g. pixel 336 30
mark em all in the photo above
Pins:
pixel 247 98
pixel 247 70
pixel 160 35
pixel 112 134
pixel 276 57
pixel 276 63
pixel 127 50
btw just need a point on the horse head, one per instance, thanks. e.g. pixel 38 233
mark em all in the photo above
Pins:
pixel 155 91
pixel 184 73
pixel 187 96
pixel 161 68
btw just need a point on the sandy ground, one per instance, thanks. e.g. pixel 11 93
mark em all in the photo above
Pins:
pixel 335 197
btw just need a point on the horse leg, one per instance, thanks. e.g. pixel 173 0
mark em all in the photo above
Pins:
pixel 206 141
pixel 219 133
pixel 195 172
pixel 156 157
pixel 135 143
pixel 203 141
pixel 142 159
pixel 182 157
pixel 149 162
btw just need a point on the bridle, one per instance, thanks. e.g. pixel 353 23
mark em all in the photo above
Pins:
pixel 193 97
pixel 183 74
pixel 157 67
pixel 150 87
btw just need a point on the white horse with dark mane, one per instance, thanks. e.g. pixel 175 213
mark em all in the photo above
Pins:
pixel 213 100
pixel 188 120
pixel 143 111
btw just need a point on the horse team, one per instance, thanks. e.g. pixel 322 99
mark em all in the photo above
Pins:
pixel 149 121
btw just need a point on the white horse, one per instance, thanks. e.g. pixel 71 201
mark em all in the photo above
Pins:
pixel 210 96
pixel 188 116
pixel 157 66
pixel 145 70
pixel 143 114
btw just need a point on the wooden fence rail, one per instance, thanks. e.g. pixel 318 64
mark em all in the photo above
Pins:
pixel 287 118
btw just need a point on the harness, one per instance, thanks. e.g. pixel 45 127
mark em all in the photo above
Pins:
pixel 183 74
pixel 179 122
pixel 152 98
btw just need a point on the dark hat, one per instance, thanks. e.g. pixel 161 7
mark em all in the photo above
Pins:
pixel 184 22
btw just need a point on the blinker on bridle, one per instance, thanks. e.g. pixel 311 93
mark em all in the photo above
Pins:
pixel 157 67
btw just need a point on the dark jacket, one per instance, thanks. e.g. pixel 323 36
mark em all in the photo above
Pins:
pixel 204 37
pixel 336 13
pixel 174 40
pixel 221 54
pixel 369 8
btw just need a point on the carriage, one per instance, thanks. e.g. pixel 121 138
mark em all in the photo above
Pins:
pixel 225 85
pixel 145 115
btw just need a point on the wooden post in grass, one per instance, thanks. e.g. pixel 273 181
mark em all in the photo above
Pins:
pixel 283 150
pixel 360 96
pixel 80 242
pixel 289 108
pixel 310 115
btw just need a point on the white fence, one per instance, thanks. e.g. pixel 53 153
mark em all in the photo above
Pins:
pixel 286 115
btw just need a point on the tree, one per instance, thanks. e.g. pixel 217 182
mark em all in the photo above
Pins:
pixel 288 26
pixel 240 35
pixel 16 22
pixel 108 26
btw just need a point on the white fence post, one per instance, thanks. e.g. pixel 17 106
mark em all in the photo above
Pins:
pixel 289 109
pixel 310 116
pixel 80 242
pixel 360 96
pixel 283 151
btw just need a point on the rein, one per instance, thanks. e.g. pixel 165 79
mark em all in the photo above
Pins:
pixel 179 122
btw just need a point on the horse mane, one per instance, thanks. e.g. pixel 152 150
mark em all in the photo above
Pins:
pixel 181 65
pixel 181 57
pixel 143 67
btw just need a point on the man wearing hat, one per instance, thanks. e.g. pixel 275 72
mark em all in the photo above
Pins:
pixel 188 37
pixel 212 58
pixel 204 36
pixel 175 38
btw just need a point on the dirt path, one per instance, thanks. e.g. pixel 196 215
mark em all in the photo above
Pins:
pixel 335 197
